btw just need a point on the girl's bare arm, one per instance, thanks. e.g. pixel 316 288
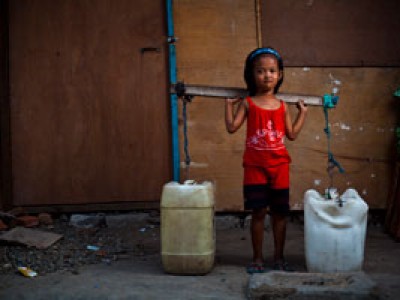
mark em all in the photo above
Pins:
pixel 234 120
pixel 293 129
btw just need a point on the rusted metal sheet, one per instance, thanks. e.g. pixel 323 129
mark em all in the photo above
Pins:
pixel 5 154
pixel 89 106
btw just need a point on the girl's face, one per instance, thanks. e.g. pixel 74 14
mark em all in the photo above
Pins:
pixel 266 73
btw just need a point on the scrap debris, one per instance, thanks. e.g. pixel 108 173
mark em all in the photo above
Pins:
pixel 31 237
pixel 62 244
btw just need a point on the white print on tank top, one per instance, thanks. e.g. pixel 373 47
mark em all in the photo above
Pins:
pixel 267 139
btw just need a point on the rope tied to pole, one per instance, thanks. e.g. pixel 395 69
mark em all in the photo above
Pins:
pixel 185 136
pixel 332 162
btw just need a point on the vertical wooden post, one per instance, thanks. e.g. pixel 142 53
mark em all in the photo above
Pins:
pixel 258 22
pixel 5 144
pixel 392 220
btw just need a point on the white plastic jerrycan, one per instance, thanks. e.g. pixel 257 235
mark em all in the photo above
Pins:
pixel 187 228
pixel 334 232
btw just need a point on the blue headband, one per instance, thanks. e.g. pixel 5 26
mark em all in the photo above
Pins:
pixel 265 51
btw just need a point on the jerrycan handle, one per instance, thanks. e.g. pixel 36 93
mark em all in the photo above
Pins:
pixel 343 221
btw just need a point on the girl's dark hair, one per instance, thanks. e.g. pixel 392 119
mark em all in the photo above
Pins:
pixel 248 69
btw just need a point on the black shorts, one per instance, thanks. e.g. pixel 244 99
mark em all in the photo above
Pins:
pixel 262 196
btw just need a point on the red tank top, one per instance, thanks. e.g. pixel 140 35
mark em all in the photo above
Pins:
pixel 265 136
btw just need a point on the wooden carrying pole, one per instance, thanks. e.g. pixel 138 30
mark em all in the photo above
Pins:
pixel 189 91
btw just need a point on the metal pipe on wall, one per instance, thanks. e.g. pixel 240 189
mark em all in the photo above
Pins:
pixel 173 97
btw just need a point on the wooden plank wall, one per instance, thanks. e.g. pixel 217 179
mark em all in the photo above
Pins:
pixel 334 32
pixel 362 130
pixel 214 39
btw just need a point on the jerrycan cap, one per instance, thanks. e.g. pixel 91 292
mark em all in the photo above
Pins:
pixel 331 193
pixel 189 182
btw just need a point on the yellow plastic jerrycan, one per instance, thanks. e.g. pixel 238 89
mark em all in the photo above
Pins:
pixel 334 232
pixel 187 228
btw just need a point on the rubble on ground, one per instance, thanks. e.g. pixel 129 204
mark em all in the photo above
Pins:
pixel 86 239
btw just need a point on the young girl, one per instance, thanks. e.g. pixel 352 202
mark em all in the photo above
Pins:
pixel 265 160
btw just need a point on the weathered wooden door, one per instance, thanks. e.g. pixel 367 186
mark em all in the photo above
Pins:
pixel 89 103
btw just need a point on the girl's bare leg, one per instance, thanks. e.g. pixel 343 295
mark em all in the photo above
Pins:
pixel 257 234
pixel 279 231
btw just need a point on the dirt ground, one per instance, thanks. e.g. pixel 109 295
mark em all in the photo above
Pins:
pixel 131 268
